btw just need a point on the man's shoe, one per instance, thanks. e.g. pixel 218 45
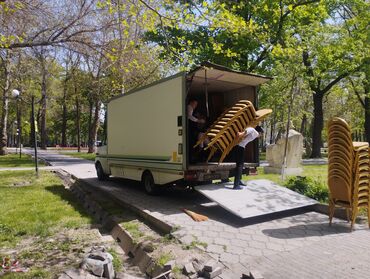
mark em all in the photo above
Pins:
pixel 241 183
pixel 237 187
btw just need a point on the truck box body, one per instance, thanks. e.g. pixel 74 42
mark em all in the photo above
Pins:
pixel 147 128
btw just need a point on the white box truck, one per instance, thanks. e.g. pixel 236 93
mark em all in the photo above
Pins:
pixel 147 128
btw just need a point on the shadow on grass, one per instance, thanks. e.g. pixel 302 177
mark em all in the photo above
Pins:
pixel 113 209
pixel 12 163
pixel 68 196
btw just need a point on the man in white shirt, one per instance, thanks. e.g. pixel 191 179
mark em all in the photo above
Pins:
pixel 250 134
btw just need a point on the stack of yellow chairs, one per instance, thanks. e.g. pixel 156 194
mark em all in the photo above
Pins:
pixel 223 133
pixel 348 171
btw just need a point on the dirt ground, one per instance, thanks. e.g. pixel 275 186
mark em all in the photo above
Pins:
pixel 49 257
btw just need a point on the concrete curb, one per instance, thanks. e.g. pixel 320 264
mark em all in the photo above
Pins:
pixel 156 223
pixel 136 251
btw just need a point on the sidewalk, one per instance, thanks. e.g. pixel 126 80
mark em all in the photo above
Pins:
pixel 297 244
pixel 28 168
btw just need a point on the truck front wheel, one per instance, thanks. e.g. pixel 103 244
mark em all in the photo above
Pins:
pixel 100 172
pixel 148 183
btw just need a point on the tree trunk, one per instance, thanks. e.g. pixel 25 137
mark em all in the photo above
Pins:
pixel 302 130
pixel 367 101
pixel 43 106
pixel 5 106
pixel 64 115
pixel 318 125
pixel 32 139
pixel 91 107
pixel 78 126
pixel 94 128
pixel 272 131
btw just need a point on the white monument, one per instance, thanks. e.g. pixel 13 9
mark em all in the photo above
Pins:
pixel 275 155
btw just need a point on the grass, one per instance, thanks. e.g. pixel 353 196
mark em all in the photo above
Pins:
pixel 13 161
pixel 117 262
pixel 35 273
pixel 164 258
pixel 312 182
pixel 317 172
pixel 133 228
pixel 41 221
pixel 81 155
pixel 35 207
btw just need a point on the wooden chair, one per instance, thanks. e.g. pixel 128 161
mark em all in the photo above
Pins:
pixel 348 171
pixel 223 132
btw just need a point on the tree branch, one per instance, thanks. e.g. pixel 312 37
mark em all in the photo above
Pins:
pixel 362 102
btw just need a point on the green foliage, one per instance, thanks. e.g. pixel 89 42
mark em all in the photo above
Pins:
pixel 117 261
pixel 163 259
pixel 194 244
pixel 309 187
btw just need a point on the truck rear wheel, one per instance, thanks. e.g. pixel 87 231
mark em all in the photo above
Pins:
pixel 100 172
pixel 148 183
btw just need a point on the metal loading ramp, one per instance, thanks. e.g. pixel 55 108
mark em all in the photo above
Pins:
pixel 259 197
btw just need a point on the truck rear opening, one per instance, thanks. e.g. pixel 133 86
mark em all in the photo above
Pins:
pixel 216 89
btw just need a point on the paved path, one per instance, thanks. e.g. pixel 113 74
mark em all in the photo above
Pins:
pixel 28 168
pixel 298 244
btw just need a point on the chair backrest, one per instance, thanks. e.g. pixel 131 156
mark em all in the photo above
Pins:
pixel 341 160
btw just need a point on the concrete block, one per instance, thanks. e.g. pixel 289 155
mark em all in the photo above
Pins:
pixel 147 246
pixel 189 269
pixel 123 239
pixel 109 271
pixel 169 265
pixel 197 266
pixel 142 260
pixel 217 271
pixel 210 266
pixel 255 274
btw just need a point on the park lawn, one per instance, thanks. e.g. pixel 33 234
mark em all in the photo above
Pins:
pixel 38 212
pixel 81 155
pixel 316 172
pixel 13 161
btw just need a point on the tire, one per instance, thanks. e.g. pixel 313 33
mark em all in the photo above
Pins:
pixel 148 183
pixel 100 172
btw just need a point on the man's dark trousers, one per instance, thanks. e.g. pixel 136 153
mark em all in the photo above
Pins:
pixel 239 154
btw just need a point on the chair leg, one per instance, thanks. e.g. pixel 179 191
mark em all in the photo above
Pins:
pixel 353 217
pixel 331 211
pixel 213 150
pixel 348 215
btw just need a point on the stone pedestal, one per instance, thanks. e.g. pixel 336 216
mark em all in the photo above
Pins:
pixel 275 155
pixel 288 171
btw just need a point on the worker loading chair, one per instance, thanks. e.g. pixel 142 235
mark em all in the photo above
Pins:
pixel 223 132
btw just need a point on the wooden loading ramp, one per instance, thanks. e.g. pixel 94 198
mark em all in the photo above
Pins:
pixel 260 197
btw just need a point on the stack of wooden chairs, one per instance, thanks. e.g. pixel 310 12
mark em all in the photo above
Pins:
pixel 222 134
pixel 348 176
